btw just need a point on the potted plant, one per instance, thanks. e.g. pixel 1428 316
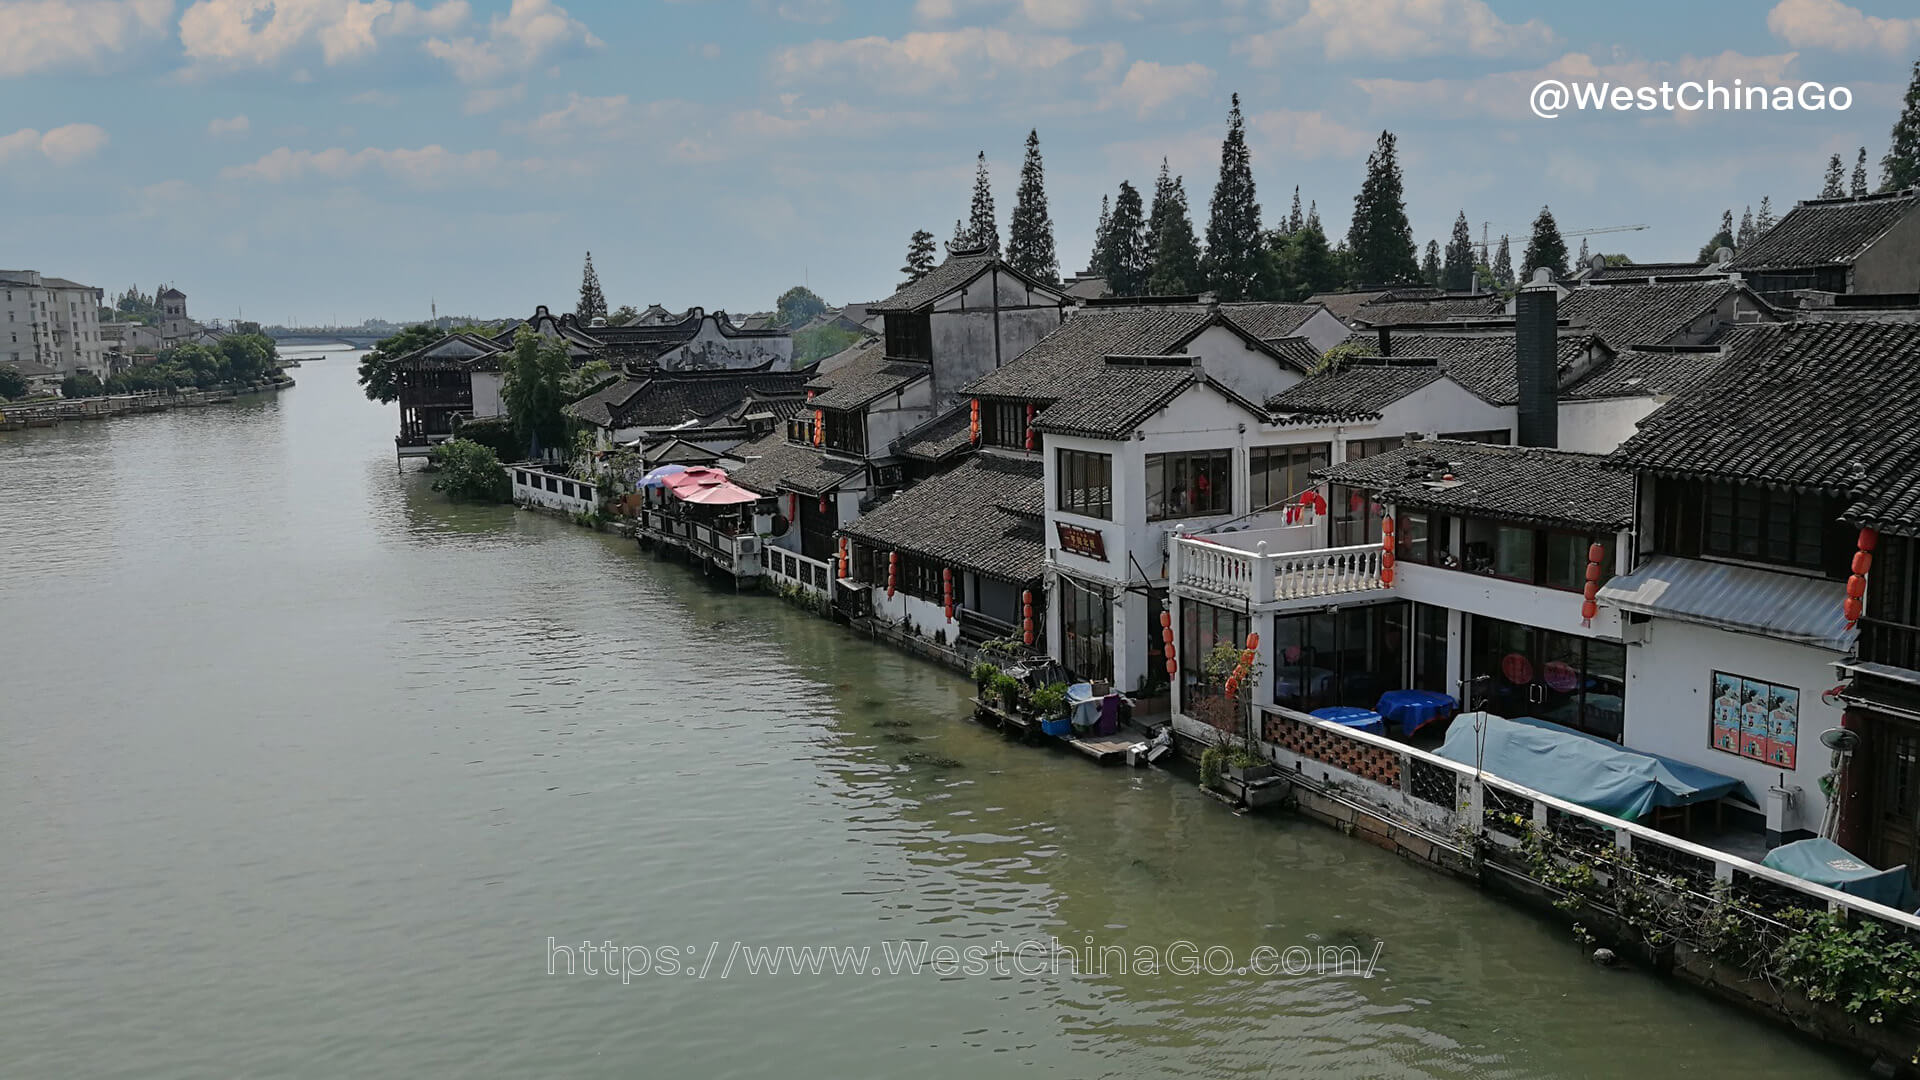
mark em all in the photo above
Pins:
pixel 983 673
pixel 1233 672
pixel 1050 701
pixel 1006 688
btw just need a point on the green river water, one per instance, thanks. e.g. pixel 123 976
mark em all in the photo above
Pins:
pixel 301 767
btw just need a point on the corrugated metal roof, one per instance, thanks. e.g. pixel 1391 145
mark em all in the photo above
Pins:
pixel 1739 598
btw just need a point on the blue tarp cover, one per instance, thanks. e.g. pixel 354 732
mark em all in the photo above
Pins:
pixel 1824 862
pixel 1582 768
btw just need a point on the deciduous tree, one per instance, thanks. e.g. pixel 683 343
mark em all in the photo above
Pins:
pixel 534 389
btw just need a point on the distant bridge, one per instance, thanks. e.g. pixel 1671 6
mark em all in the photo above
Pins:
pixel 324 337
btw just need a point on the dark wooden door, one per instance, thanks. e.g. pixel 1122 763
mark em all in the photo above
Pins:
pixel 1896 796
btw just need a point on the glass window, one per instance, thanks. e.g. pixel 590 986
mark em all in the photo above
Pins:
pixel 1278 474
pixel 1513 554
pixel 1345 657
pixel 1566 566
pixel 1086 627
pixel 1189 484
pixel 1785 528
pixel 1570 680
pixel 1086 483
pixel 1430 649
pixel 1204 627
pixel 1424 538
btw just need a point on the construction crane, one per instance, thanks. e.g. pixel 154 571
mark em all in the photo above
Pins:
pixel 1486 227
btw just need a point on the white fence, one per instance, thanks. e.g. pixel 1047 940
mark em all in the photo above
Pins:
pixel 534 486
pixel 1258 577
pixel 811 576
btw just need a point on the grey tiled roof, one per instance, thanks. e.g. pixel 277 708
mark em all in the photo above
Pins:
pixel 955 272
pixel 1484 363
pixel 666 398
pixel 1297 351
pixel 1643 271
pixel 866 375
pixel 773 464
pixel 1642 314
pixel 1057 364
pixel 1825 232
pixel 1268 321
pixel 1435 309
pixel 1357 389
pixel 597 408
pixel 961 518
pixel 1828 406
pixel 941 437
pixel 1517 483
pixel 1344 304
pixel 1114 401
pixel 1653 371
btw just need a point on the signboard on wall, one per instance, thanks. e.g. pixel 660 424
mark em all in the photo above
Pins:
pixel 1755 719
pixel 1082 541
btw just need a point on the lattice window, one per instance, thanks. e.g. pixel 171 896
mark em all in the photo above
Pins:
pixel 1500 806
pixel 1431 783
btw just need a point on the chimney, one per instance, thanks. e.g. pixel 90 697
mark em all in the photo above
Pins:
pixel 1536 346
pixel 1386 345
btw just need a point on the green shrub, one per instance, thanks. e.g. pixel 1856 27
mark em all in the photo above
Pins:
pixel 1051 700
pixel 470 471
pixel 983 673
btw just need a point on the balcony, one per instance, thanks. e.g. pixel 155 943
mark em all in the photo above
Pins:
pixel 1890 643
pixel 1260 577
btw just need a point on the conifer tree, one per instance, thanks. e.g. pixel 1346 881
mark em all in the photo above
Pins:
pixel 1830 185
pixel 961 238
pixel 1901 167
pixel 1583 253
pixel 982 229
pixel 1294 221
pixel 1380 240
pixel 1764 219
pixel 920 254
pixel 1098 258
pixel 1457 273
pixel 1157 212
pixel 1234 257
pixel 1176 251
pixel 1430 265
pixel 1309 265
pixel 1744 234
pixel 1722 239
pixel 1313 216
pixel 593 303
pixel 1503 264
pixel 1125 246
pixel 1860 174
pixel 1030 233
pixel 1546 248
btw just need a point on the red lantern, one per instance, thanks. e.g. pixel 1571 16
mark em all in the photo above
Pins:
pixel 1253 643
pixel 1869 538
pixel 1387 526
pixel 893 572
pixel 1166 620
pixel 1596 553
pixel 1854 608
pixel 1386 576
pixel 1592 591
pixel 1173 669
pixel 1588 609
pixel 823 504
pixel 1386 559
pixel 1593 573
pixel 819 427
pixel 1856 586
pixel 946 587
pixel 1862 562
pixel 1168 651
pixel 973 426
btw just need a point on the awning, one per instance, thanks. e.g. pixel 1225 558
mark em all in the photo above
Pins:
pixel 709 487
pixel 1806 610
pixel 1581 768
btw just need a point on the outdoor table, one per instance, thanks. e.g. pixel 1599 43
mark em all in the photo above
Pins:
pixel 1411 710
pixel 1354 717
pixel 1082 707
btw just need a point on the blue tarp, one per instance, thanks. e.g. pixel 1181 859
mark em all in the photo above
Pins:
pixel 1353 717
pixel 1824 862
pixel 1582 768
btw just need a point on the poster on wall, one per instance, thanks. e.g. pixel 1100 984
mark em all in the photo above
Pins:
pixel 1755 719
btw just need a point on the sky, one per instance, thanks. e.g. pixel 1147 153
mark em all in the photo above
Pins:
pixel 313 161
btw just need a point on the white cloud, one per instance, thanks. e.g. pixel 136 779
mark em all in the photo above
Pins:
pixel 1306 134
pixel 1830 24
pixel 425 167
pixel 228 125
pixel 1148 86
pixel 582 113
pixel 41 35
pixel 958 62
pixel 1046 14
pixel 531 32
pixel 485 100
pixel 257 33
pixel 808 11
pixel 63 145
pixel 1396 30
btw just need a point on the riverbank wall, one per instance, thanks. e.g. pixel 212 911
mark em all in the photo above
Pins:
pixel 43 414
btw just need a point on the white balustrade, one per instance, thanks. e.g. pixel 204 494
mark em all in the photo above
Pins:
pixel 1260 578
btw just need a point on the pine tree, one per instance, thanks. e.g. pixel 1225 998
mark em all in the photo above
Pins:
pixel 1176 251
pixel 1430 266
pixel 1381 239
pixel 982 229
pixel 1546 248
pixel 1234 255
pixel 919 257
pixel 1722 239
pixel 1503 264
pixel 1294 221
pixel 1030 233
pixel 1763 220
pixel 1744 234
pixel 1456 274
pixel 593 303
pixel 1098 258
pixel 1157 212
pixel 1860 174
pixel 1900 169
pixel 1583 253
pixel 1830 185
pixel 961 239
pixel 1309 265
pixel 1313 217
pixel 1125 245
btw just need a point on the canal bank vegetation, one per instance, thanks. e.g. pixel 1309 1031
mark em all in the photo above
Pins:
pixel 235 360
pixel 470 471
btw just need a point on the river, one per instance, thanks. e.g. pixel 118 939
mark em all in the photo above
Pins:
pixel 301 767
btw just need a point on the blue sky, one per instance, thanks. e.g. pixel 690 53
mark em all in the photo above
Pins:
pixel 308 159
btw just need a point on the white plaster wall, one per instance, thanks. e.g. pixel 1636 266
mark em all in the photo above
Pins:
pixel 1599 426
pixel 1324 330
pixel 1440 407
pixel 894 415
pixel 712 348
pixel 529 494
pixel 1530 605
pixel 1669 691
pixel 486 395
pixel 1253 374
pixel 928 616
